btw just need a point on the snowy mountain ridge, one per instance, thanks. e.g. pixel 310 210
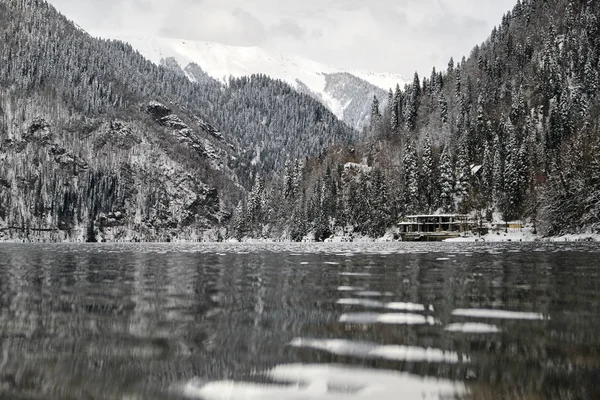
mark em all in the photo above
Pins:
pixel 222 61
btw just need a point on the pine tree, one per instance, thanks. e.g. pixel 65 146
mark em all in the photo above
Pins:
pixel 329 195
pixel 416 86
pixel 443 108
pixel 380 210
pixel 513 175
pixel 428 178
pixel 317 213
pixel 462 172
pixel 390 103
pixel 446 182
pixel 255 204
pixel 518 108
pixel 487 173
pixel 395 122
pixel 433 82
pixel 410 111
pixel 288 180
pixel 591 75
pixel 239 222
pixel 298 225
pixel 298 176
pixel 479 138
pixel 411 177
pixel 497 172
pixel 591 215
pixel 375 114
pixel 399 98
pixel 458 86
pixel 363 208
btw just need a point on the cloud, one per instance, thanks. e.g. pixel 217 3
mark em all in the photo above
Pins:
pixel 235 27
pixel 287 27
pixel 380 35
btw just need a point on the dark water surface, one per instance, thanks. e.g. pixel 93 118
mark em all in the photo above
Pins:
pixel 345 321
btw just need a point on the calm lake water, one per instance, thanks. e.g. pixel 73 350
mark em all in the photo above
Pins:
pixel 338 321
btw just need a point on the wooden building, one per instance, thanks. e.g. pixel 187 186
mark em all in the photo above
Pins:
pixel 431 228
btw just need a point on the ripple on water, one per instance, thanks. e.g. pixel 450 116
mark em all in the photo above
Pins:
pixel 472 328
pixel 405 306
pixel 387 318
pixel 355 274
pixel 370 293
pixel 350 348
pixel 350 288
pixel 328 382
pixel 497 314
pixel 397 306
pixel 361 302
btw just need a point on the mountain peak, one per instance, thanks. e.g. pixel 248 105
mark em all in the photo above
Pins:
pixel 221 61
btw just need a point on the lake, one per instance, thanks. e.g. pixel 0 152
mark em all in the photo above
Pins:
pixel 305 321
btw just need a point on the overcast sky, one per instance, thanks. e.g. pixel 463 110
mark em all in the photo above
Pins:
pixel 379 35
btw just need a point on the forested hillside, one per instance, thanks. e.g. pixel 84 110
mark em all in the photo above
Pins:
pixel 97 142
pixel 513 130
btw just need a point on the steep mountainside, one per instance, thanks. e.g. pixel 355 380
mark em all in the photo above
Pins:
pixel 347 99
pixel 98 142
pixel 512 131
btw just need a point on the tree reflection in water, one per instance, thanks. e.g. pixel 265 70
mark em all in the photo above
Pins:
pixel 336 321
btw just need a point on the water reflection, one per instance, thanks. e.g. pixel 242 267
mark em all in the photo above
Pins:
pixel 374 351
pixel 331 321
pixel 329 382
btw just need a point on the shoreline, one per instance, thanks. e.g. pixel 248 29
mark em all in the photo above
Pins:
pixel 500 237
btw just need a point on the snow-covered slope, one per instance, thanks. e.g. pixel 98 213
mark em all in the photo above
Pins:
pixel 221 61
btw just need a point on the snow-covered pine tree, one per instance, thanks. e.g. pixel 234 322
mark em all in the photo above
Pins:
pixel 409 109
pixel 591 215
pixel 428 179
pixel 254 212
pixel 363 208
pixel 298 176
pixel 390 105
pixel 416 85
pixel 497 172
pixel 433 82
pixel 288 180
pixel 513 174
pixel 411 177
pixel 487 173
pixel 375 114
pixel 380 210
pixel 395 120
pixel 462 171
pixel 458 85
pixel 443 108
pixel 518 108
pixel 446 182
pixel 239 226
pixel 399 97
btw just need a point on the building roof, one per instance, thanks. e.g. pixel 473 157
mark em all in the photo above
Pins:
pixel 438 216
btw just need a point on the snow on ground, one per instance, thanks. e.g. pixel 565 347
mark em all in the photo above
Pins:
pixel 383 80
pixel 525 235
pixel 581 237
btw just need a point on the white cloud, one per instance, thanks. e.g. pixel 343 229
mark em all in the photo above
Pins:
pixel 380 35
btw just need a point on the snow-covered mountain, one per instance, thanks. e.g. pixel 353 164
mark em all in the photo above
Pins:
pixel 348 94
